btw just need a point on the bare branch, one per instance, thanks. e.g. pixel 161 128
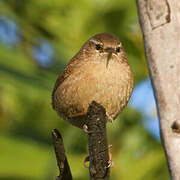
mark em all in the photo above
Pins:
pixel 64 169
pixel 97 141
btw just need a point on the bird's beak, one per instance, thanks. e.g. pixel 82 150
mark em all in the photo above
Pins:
pixel 110 51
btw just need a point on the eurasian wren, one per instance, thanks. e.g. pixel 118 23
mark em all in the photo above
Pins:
pixel 99 72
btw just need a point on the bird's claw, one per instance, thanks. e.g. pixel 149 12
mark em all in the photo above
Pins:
pixel 85 128
pixel 110 162
pixel 109 118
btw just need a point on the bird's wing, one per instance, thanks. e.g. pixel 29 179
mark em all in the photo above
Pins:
pixel 65 74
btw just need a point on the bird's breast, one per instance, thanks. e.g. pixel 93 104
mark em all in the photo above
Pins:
pixel 110 86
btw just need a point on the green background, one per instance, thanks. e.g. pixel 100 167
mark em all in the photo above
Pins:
pixel 26 115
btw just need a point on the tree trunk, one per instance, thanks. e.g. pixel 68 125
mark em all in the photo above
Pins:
pixel 160 24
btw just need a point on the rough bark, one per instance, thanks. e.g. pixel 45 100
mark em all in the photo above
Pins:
pixel 160 24
pixel 97 141
pixel 64 169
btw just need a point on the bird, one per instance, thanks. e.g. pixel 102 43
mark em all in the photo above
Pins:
pixel 98 72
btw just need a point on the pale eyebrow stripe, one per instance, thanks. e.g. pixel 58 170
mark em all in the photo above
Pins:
pixel 94 41
pixel 98 42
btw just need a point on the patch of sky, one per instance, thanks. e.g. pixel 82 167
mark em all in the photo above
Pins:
pixel 10 35
pixel 43 53
pixel 8 31
pixel 143 100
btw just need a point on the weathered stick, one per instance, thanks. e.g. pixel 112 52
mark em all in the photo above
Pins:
pixel 97 141
pixel 160 24
pixel 64 169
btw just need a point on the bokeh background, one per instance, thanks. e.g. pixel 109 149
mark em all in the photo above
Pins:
pixel 37 39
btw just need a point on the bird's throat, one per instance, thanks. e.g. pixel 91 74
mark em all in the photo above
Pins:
pixel 108 59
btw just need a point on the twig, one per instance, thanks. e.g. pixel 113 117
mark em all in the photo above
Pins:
pixel 97 141
pixel 64 169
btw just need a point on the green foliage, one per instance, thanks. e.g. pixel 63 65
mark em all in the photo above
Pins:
pixel 26 115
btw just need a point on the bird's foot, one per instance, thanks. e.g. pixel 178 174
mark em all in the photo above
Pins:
pixel 109 118
pixel 85 128
pixel 110 161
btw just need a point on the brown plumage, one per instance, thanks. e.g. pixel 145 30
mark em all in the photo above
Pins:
pixel 99 72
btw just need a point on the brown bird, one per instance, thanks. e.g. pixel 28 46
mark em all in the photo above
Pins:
pixel 99 72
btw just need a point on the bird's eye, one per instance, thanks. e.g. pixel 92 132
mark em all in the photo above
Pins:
pixel 98 46
pixel 118 49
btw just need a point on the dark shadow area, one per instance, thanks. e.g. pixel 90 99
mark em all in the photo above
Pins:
pixel 114 24
pixel 21 132
pixel 29 80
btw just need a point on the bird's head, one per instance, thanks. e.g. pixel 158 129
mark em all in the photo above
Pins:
pixel 106 47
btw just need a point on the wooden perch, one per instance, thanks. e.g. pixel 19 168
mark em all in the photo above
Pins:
pixel 64 169
pixel 160 24
pixel 97 141
pixel 98 148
